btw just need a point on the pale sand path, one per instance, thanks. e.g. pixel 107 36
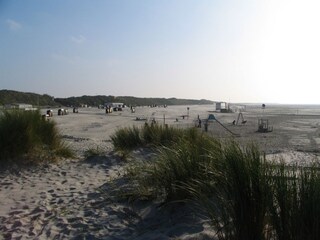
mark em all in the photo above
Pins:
pixel 55 201
pixel 72 200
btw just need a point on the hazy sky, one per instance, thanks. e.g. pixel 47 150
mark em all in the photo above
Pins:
pixel 230 50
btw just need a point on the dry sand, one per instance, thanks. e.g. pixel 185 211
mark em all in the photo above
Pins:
pixel 74 199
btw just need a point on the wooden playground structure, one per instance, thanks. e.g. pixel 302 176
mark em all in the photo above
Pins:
pixel 240 116
pixel 212 118
pixel 263 125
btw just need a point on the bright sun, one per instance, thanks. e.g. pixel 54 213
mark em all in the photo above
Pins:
pixel 289 42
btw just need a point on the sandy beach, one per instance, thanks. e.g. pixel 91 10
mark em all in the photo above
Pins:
pixel 74 198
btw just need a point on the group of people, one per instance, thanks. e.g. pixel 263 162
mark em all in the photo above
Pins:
pixel 206 123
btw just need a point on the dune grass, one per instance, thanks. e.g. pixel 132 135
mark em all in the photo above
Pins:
pixel 94 152
pixel 177 165
pixel 129 138
pixel 243 195
pixel 126 138
pixel 235 193
pixel 26 137
pixel 181 157
pixel 247 197
pixel 160 135
pixel 295 208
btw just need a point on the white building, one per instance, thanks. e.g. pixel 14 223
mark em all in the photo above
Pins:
pixel 21 106
pixel 115 106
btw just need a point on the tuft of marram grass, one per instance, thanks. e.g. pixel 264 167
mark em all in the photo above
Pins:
pixel 295 206
pixel 235 193
pixel 25 136
pixel 182 162
pixel 93 152
pixel 126 139
pixel 160 135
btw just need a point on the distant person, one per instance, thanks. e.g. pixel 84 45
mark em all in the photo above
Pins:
pixel 206 125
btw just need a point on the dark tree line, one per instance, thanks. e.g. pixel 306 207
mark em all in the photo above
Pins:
pixel 9 96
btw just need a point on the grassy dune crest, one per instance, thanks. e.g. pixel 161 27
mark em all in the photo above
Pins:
pixel 243 195
pixel 26 137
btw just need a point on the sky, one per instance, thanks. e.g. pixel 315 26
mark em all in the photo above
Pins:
pixel 253 51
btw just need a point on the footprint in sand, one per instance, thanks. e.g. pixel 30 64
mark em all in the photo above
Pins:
pixel 51 191
pixel 16 212
pixel 54 195
pixel 43 195
pixel 37 210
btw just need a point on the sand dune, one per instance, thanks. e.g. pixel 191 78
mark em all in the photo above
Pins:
pixel 73 199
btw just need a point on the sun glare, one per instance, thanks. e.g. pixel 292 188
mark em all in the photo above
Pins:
pixel 289 45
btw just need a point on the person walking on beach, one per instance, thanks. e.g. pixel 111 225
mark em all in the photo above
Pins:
pixel 199 122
